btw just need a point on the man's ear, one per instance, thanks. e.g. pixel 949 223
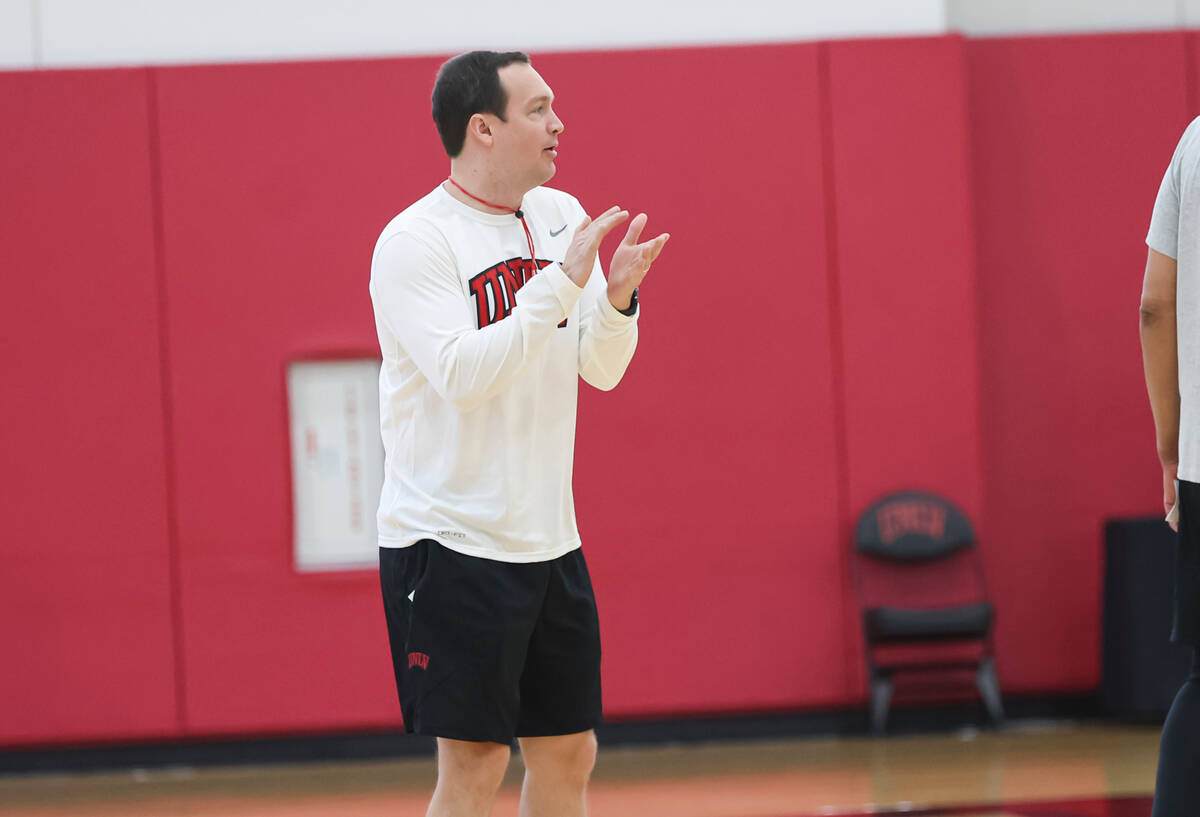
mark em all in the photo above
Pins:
pixel 480 129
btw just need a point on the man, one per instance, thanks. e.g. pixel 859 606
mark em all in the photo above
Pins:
pixel 490 303
pixel 1170 329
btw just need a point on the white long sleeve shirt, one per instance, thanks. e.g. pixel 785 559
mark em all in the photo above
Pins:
pixel 479 384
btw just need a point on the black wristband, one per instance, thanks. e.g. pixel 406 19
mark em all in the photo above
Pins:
pixel 632 310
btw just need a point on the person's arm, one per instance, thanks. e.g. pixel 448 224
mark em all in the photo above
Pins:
pixel 607 336
pixel 418 296
pixel 1160 357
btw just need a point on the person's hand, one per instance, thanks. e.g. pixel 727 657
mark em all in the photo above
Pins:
pixel 1170 474
pixel 631 262
pixel 585 242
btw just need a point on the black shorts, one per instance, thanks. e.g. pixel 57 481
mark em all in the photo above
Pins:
pixel 1186 626
pixel 488 650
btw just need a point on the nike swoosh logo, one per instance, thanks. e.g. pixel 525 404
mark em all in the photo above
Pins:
pixel 556 232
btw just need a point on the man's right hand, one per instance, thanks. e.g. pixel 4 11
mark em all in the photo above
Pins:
pixel 585 243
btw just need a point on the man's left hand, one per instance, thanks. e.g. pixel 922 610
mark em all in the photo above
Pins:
pixel 631 262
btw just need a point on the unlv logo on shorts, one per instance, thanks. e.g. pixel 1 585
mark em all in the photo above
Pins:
pixel 495 289
pixel 418 659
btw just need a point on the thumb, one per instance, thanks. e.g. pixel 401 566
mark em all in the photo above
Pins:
pixel 657 245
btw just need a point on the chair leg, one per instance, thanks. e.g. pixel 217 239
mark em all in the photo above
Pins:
pixel 881 696
pixel 989 689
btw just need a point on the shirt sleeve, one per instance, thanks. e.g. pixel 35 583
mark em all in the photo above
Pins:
pixel 417 295
pixel 1164 222
pixel 607 338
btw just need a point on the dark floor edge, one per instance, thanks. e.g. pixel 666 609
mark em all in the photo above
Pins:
pixel 395 744
pixel 1122 806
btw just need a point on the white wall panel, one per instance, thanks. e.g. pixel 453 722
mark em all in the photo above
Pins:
pixel 133 32
pixel 1191 13
pixel 1000 17
pixel 106 32
pixel 16 34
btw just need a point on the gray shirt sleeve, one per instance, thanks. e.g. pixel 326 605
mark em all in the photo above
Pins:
pixel 1164 223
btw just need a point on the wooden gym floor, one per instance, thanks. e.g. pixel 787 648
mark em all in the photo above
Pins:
pixel 1050 770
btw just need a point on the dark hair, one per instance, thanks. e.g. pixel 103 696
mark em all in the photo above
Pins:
pixel 466 85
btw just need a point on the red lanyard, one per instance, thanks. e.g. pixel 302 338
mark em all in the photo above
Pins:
pixel 520 215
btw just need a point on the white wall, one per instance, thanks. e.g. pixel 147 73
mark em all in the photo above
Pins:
pixel 84 33
pixel 136 32
pixel 16 33
pixel 1000 17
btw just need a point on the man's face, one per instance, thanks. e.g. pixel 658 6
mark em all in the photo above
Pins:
pixel 526 143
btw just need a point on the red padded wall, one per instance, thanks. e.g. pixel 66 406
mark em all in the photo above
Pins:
pixel 906 277
pixel 703 482
pixel 277 181
pixel 85 609
pixel 226 268
pixel 1071 136
pixel 832 320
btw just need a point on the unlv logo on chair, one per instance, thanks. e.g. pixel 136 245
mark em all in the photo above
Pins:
pixel 914 516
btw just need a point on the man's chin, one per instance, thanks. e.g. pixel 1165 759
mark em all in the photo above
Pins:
pixel 537 180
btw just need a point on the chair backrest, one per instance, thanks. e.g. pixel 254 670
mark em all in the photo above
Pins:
pixel 912 526
pixel 915 550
